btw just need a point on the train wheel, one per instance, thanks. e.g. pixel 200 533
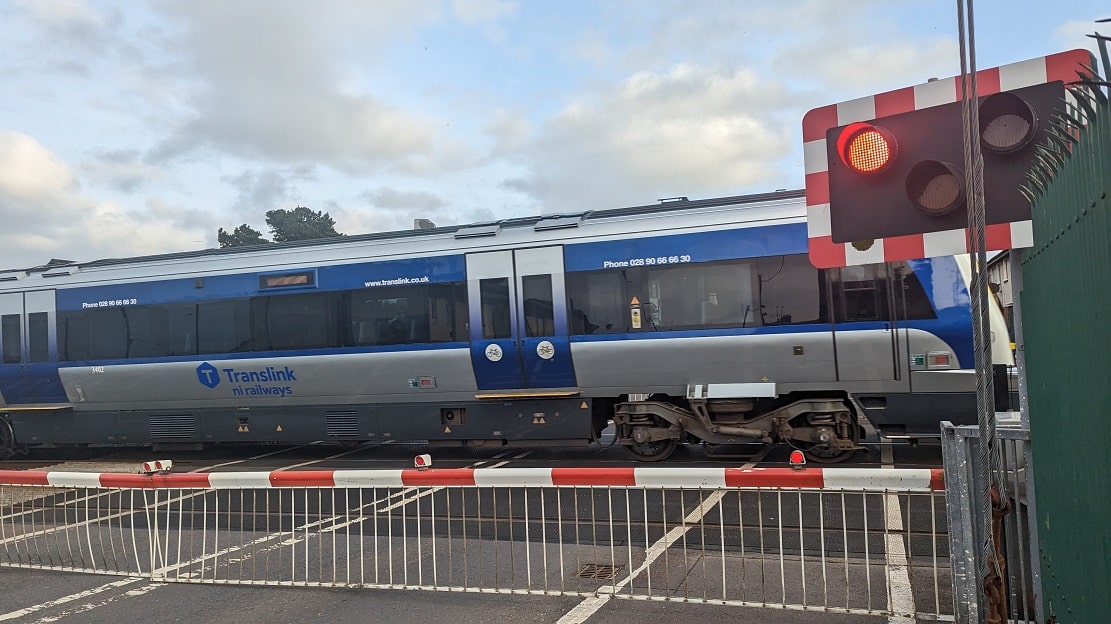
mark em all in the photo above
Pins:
pixel 656 450
pixel 826 455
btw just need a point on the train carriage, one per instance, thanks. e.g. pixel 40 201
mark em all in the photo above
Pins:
pixel 683 322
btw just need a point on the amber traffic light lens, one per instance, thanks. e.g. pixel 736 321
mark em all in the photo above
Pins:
pixel 935 188
pixel 865 148
pixel 1007 123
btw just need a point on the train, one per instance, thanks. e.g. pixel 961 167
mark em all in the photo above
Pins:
pixel 686 322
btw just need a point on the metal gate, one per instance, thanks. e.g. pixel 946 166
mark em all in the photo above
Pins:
pixel 849 540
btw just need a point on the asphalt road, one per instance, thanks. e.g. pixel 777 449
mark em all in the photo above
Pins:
pixel 42 596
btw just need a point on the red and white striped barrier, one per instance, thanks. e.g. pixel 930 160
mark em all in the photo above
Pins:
pixel 692 478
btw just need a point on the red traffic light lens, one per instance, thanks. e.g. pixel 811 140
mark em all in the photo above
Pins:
pixel 1007 123
pixel 865 148
pixel 935 188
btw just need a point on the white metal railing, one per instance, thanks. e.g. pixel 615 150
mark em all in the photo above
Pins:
pixel 847 540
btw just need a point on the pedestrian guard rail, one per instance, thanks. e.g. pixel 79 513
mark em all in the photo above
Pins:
pixel 846 540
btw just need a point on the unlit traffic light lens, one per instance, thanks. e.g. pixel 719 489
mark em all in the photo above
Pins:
pixel 935 188
pixel 865 148
pixel 1007 123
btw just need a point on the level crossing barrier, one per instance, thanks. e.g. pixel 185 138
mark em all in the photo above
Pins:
pixel 843 540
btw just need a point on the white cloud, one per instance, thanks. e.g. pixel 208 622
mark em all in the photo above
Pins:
pixel 122 171
pixel 658 135
pixel 510 130
pixel 482 11
pixel 395 199
pixel 31 176
pixel 272 85
pixel 47 216
pixel 1074 34
pixel 63 15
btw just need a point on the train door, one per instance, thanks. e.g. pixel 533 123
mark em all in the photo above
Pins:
pixel 869 328
pixel 518 320
pixel 29 360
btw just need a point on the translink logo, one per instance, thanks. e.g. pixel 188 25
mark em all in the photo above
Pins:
pixel 208 375
pixel 270 381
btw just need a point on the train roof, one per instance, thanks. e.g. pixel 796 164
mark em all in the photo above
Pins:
pixel 59 268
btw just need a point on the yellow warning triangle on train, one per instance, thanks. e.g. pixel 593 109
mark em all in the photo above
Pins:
pixel 584 405
pixel 447 429
pixel 635 301
pixel 279 429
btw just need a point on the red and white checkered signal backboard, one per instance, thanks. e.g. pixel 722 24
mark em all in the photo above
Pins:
pixel 824 252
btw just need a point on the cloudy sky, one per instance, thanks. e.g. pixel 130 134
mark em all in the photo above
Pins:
pixel 130 128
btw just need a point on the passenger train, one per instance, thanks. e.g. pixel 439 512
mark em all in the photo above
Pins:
pixel 699 322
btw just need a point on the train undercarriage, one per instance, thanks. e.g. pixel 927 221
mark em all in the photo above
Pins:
pixel 650 427
pixel 825 428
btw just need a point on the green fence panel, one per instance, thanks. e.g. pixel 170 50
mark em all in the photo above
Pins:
pixel 1066 308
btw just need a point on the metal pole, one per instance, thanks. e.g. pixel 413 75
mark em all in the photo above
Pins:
pixel 978 291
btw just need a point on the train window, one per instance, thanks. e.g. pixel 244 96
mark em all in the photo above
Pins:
pixel 789 291
pixel 38 337
pixel 860 293
pixel 411 314
pixel 285 322
pixel 494 296
pixel 92 334
pixel 161 330
pixel 599 302
pixel 719 294
pixel 536 291
pixel 12 337
pixel 447 312
pixel 224 326
pixel 146 331
pixel 914 302
pixel 181 329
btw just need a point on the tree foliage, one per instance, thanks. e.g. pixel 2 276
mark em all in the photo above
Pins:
pixel 240 237
pixel 285 225
pixel 300 224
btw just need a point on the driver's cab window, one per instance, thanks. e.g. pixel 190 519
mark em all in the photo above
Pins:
pixel 860 293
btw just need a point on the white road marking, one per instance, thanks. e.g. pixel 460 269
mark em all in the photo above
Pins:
pixel 900 594
pixel 67 599
pixel 589 606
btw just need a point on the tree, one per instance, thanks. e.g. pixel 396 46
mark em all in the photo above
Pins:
pixel 300 224
pixel 240 237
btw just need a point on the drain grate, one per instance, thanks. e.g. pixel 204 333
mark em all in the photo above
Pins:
pixel 598 571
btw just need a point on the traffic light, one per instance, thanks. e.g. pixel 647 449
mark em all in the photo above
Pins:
pixel 904 174
pixel 885 176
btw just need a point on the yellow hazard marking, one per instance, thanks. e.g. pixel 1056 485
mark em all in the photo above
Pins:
pixel 538 420
pixel 447 429
pixel 244 429
pixel 279 428
pixel 635 301
pixel 584 405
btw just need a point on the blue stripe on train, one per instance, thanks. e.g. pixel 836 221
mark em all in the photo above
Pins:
pixel 436 269
pixel 753 242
